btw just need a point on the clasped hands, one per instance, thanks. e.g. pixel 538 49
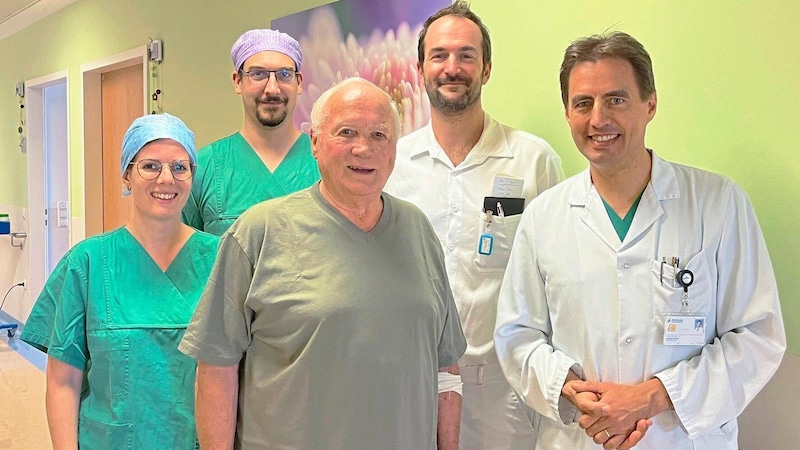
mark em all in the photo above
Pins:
pixel 615 416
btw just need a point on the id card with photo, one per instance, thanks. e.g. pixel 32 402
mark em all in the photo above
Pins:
pixel 684 329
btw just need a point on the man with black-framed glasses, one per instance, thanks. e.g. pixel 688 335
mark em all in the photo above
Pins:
pixel 269 157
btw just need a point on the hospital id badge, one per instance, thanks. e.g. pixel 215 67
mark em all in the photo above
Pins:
pixel 684 329
pixel 485 244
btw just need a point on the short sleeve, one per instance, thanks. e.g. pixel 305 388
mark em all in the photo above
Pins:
pixel 57 323
pixel 219 332
pixel 40 321
pixel 452 344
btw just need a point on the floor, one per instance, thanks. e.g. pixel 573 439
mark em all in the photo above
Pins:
pixel 23 423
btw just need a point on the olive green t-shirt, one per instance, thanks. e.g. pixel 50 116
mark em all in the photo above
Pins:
pixel 339 333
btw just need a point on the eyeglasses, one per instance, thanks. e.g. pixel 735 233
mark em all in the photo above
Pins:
pixel 150 169
pixel 261 76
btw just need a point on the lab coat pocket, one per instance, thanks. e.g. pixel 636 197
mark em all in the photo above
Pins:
pixel 494 240
pixel 668 294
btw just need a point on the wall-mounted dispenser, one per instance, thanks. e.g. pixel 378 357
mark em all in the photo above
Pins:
pixel 5 224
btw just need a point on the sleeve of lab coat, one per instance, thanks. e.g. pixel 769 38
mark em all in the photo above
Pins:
pixel 522 333
pixel 714 387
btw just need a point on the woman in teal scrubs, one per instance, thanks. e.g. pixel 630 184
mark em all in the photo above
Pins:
pixel 115 308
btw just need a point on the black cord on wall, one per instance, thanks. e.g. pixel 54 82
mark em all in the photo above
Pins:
pixel 21 283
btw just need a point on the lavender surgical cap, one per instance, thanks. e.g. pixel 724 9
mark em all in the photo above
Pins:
pixel 147 129
pixel 255 41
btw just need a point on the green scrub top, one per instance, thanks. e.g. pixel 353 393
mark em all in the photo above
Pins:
pixel 110 311
pixel 231 178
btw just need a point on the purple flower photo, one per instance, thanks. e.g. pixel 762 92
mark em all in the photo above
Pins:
pixel 373 40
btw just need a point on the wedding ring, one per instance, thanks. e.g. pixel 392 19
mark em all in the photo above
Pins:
pixel 607 433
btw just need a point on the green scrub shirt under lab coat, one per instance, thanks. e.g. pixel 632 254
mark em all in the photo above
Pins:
pixel 110 311
pixel 231 178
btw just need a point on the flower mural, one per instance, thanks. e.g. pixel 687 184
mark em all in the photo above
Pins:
pixel 386 56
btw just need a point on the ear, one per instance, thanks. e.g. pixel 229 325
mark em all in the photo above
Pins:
pixel 237 81
pixel 652 104
pixel 299 83
pixel 419 70
pixel 314 138
pixel 487 71
pixel 126 177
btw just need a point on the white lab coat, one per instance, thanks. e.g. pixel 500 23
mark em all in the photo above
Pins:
pixel 573 294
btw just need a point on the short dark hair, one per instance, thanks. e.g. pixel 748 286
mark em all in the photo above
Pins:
pixel 616 44
pixel 459 8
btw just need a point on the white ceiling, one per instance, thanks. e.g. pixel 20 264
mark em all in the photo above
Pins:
pixel 15 15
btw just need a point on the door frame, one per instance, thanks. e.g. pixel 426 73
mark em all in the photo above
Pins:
pixel 37 176
pixel 92 73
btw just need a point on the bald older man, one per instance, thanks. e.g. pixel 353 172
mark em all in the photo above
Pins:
pixel 329 312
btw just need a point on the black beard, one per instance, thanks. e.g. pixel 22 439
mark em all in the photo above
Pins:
pixel 272 121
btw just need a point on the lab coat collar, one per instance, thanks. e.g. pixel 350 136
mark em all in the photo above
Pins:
pixel 663 182
pixel 663 179
pixel 663 185
pixel 492 144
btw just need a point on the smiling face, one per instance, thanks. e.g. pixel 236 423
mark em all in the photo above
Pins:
pixel 162 198
pixel 272 103
pixel 453 67
pixel 606 113
pixel 355 144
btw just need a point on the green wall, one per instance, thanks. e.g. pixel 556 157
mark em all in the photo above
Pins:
pixel 726 75
pixel 727 81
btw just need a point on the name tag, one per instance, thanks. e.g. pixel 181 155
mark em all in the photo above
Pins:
pixel 684 329
pixel 485 244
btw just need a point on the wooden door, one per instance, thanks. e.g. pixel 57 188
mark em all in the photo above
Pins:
pixel 121 103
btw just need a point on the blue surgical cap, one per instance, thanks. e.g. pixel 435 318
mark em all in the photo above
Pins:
pixel 147 129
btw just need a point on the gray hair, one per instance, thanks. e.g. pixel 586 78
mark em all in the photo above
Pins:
pixel 612 45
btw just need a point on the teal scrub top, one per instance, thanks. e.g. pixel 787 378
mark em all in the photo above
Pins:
pixel 110 311
pixel 231 177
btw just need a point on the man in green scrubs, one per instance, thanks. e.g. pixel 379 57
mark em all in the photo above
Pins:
pixel 269 157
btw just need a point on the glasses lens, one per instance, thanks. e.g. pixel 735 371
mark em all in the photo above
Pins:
pixel 284 76
pixel 181 170
pixel 149 169
pixel 258 76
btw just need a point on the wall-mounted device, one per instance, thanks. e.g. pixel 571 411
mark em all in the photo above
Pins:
pixel 20 92
pixel 62 214
pixel 156 50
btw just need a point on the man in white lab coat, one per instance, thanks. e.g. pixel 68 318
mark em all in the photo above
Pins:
pixel 449 169
pixel 612 270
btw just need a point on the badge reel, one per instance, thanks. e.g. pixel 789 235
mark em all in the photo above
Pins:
pixel 486 240
pixel 684 328
pixel 685 278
